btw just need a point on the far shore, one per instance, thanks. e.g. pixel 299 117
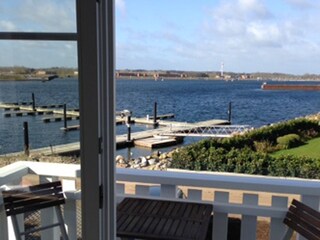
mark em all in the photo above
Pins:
pixel 166 79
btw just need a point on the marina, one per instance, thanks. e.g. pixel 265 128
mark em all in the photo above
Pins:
pixel 165 133
pixel 153 138
pixel 180 104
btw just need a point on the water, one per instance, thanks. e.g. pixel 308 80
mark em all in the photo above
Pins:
pixel 189 100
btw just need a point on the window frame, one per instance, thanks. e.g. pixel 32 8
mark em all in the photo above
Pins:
pixel 95 43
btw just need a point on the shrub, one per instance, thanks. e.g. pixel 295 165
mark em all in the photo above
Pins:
pixel 264 147
pixel 247 153
pixel 295 166
pixel 289 141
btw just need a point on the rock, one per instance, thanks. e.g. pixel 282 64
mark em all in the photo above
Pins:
pixel 144 164
pixel 152 161
pixel 155 154
pixel 123 161
pixel 119 158
pixel 148 157
pixel 123 165
pixel 163 156
pixel 169 154
pixel 136 166
pixel 156 168
pixel 143 159
pixel 137 160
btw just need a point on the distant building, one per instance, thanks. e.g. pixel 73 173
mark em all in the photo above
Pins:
pixel 126 74
pixel 244 76
pixel 41 72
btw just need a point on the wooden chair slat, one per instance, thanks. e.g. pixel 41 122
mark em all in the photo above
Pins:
pixel 297 227
pixel 33 198
pixel 27 199
pixel 304 207
pixel 303 224
pixel 304 220
pixel 45 185
pixel 34 207
pixel 304 216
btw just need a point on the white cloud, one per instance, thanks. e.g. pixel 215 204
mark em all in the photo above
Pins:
pixel 303 4
pixel 253 7
pixel 7 25
pixel 47 15
pixel 267 35
pixel 251 34
pixel 121 6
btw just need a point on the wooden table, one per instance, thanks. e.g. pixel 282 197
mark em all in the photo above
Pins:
pixel 159 219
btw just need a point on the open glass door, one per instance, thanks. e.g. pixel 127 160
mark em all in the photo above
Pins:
pixel 56 72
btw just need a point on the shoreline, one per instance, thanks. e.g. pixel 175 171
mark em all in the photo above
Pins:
pixel 5 160
pixel 167 79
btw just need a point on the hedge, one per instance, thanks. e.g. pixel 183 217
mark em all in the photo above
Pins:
pixel 248 153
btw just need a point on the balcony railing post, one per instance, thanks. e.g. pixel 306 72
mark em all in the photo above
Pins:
pixel 249 223
pixel 119 191
pixel 48 216
pixel 70 218
pixel 142 190
pixel 220 220
pixel 70 208
pixel 277 228
pixel 168 191
pixel 194 194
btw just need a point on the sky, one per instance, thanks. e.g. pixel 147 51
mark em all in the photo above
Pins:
pixel 193 35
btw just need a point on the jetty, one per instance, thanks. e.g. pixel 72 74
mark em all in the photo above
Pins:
pixel 164 132
pixel 167 135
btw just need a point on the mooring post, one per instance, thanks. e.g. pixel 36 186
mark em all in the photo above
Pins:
pixel 155 123
pixel 129 133
pixel 33 102
pixel 65 115
pixel 128 121
pixel 26 138
pixel 229 112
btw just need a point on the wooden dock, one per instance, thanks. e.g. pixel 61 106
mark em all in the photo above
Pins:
pixel 70 128
pixel 59 118
pixel 152 138
pixel 158 142
pixel 149 138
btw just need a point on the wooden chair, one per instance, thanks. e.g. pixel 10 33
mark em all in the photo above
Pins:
pixel 302 219
pixel 33 198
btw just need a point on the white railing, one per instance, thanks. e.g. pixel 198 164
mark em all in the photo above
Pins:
pixel 249 197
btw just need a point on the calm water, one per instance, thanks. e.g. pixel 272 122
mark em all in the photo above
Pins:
pixel 190 101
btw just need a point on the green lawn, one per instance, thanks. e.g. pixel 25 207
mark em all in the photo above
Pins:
pixel 310 149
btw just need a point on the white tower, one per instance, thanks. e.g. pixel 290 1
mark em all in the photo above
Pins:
pixel 221 69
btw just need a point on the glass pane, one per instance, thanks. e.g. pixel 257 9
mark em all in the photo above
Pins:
pixel 39 101
pixel 38 16
pixel 200 61
pixel 29 76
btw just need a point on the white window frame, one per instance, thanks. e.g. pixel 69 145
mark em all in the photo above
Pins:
pixel 95 35
pixel 95 26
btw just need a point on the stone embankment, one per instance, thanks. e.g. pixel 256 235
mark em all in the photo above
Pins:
pixel 155 161
pixel 314 116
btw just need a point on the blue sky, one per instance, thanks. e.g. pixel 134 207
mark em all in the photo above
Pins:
pixel 247 35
